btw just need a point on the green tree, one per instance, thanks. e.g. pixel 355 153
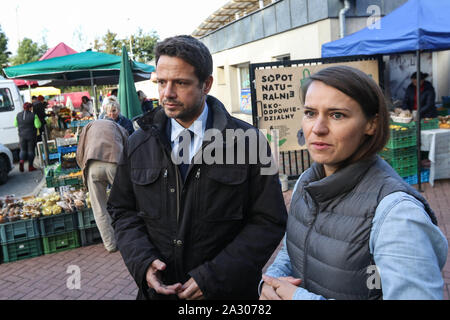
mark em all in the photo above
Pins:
pixel 4 53
pixel 28 51
pixel 143 45
pixel 108 44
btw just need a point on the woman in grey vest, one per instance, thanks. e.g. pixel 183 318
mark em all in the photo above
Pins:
pixel 27 123
pixel 355 230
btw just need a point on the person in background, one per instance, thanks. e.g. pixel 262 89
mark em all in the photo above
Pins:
pixel 356 229
pixel 99 148
pixel 113 94
pixel 27 123
pixel 146 105
pixel 39 109
pixel 427 97
pixel 86 108
pixel 112 110
pixel 187 229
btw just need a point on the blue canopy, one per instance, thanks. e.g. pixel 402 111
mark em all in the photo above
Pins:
pixel 416 25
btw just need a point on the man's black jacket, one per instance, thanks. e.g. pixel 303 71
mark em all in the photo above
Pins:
pixel 220 226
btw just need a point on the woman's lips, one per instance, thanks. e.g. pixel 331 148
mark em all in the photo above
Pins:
pixel 320 145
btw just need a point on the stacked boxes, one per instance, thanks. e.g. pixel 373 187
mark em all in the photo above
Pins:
pixel 87 227
pixel 401 152
pixel 30 238
pixel 20 240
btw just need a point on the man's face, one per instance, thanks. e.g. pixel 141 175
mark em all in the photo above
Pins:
pixel 180 92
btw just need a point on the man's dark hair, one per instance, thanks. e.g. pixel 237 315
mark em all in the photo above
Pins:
pixel 190 50
pixel 114 92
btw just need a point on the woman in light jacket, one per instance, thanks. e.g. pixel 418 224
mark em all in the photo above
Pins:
pixel 356 230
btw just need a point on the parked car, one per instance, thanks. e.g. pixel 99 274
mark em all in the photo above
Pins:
pixel 11 104
pixel 6 163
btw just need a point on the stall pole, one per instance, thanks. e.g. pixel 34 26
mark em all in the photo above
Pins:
pixel 419 187
pixel 45 143
pixel 95 96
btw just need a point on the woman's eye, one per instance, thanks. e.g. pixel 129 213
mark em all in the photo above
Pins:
pixel 337 115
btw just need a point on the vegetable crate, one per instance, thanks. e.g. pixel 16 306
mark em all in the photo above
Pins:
pixel 424 177
pixel 397 154
pixel 90 236
pixel 429 124
pixel 61 242
pixel 58 224
pixel 402 135
pixel 21 250
pixel 19 231
pixel 86 218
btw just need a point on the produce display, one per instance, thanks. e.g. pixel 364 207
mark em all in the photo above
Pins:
pixel 444 122
pixel 400 115
pixel 69 156
pixel 14 209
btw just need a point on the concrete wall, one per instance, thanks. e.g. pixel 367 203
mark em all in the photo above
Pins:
pixel 297 28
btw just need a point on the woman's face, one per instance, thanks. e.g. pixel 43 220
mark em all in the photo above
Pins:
pixel 113 113
pixel 334 125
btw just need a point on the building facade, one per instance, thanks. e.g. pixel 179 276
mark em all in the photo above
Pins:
pixel 291 30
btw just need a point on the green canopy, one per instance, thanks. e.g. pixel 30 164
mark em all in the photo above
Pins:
pixel 130 105
pixel 85 68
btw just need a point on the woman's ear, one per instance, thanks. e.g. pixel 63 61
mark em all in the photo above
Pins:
pixel 371 126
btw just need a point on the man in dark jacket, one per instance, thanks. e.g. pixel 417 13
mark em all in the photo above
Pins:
pixel 427 97
pixel 193 230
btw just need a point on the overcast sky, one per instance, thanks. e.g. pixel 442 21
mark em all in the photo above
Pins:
pixel 78 23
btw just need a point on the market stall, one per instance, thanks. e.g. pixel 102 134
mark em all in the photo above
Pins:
pixel 416 26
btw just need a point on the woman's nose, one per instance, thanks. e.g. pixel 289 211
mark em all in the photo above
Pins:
pixel 320 126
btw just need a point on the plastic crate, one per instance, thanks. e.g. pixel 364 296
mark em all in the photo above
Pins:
pixel 406 171
pixel 52 156
pixel 430 124
pixel 86 219
pixel 58 224
pixel 90 236
pixel 79 123
pixel 20 230
pixel 21 250
pixel 403 136
pixel 69 149
pixel 52 182
pixel 424 177
pixel 398 153
pixel 403 162
pixel 61 142
pixel 61 242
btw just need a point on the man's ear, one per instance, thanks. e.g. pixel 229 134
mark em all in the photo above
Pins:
pixel 207 84
pixel 371 126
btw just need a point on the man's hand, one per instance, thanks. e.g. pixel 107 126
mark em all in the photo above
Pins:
pixel 153 279
pixel 190 291
pixel 282 288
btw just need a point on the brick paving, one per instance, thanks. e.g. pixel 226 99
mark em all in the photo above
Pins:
pixel 104 276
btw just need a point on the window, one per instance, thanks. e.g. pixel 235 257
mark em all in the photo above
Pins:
pixel 244 77
pixel 284 57
pixel 6 101
pixel 244 88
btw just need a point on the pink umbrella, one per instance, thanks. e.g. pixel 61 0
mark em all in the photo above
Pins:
pixel 60 50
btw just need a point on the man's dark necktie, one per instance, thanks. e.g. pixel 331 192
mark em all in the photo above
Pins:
pixel 184 166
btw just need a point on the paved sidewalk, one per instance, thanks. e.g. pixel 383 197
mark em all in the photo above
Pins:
pixel 105 277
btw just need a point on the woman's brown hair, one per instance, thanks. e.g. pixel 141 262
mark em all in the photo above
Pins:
pixel 364 90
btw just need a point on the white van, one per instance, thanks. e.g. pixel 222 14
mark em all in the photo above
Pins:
pixel 11 104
